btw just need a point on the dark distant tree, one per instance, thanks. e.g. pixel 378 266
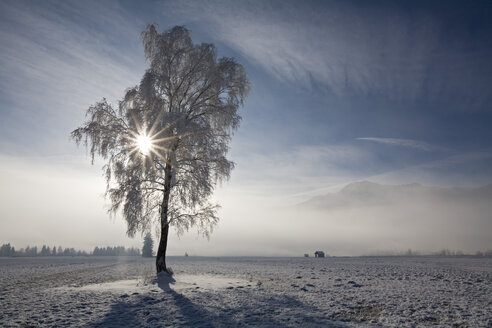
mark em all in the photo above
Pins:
pixel 148 246
pixel 7 250
pixel 53 252
pixel 31 251
pixel 166 142
pixel 45 251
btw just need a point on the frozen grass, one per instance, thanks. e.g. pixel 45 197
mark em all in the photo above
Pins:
pixel 147 275
pixel 265 292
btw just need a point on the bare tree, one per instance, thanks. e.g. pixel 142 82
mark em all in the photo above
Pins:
pixel 165 145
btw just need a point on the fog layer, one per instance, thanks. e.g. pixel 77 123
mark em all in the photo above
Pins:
pixel 60 202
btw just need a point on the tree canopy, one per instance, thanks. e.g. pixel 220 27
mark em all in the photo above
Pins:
pixel 166 142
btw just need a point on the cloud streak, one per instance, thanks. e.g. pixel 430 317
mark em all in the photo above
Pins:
pixel 472 168
pixel 367 50
pixel 419 145
pixel 54 64
pixel 301 169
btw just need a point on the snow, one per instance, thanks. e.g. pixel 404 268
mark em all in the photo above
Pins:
pixel 185 281
pixel 265 292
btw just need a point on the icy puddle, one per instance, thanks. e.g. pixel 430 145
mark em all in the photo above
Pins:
pixel 210 282
pixel 181 282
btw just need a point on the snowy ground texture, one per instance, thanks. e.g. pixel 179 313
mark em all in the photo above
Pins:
pixel 234 292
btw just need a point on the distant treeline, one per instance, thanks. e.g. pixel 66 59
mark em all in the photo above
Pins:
pixel 447 252
pixel 443 252
pixel 8 250
pixel 115 251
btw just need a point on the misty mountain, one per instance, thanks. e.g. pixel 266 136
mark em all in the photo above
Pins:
pixel 365 193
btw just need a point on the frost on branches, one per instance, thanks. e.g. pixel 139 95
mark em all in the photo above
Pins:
pixel 166 142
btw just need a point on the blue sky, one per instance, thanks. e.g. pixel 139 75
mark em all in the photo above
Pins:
pixel 394 92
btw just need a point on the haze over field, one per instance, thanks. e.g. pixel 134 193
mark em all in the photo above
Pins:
pixel 394 94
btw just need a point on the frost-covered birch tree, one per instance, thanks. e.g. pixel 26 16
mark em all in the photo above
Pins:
pixel 166 142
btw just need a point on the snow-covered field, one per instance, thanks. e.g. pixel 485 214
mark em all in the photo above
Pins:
pixel 231 292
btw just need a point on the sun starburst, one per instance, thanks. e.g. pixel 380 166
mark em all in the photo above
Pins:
pixel 144 144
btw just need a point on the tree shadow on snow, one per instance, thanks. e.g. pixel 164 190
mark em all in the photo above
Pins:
pixel 191 314
pixel 170 308
pixel 160 309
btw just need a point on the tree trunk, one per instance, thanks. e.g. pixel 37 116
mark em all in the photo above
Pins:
pixel 160 261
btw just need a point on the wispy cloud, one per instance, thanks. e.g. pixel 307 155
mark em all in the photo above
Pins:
pixel 43 46
pixel 371 51
pixel 472 168
pixel 415 144
pixel 58 58
pixel 301 169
